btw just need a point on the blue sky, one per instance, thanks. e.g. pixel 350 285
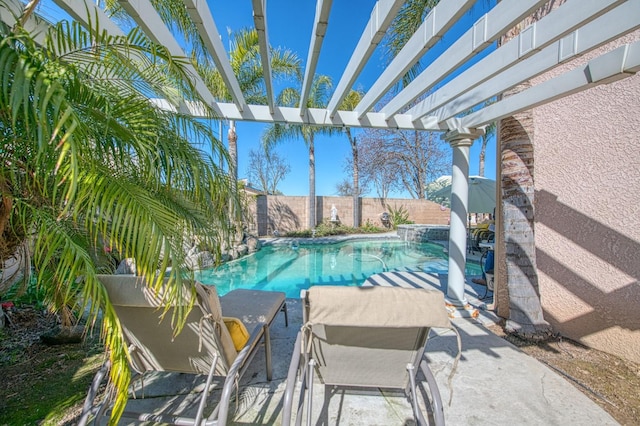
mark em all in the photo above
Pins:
pixel 289 26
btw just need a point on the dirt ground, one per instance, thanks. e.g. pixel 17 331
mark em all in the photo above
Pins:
pixel 609 381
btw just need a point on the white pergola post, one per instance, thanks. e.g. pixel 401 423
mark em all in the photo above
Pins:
pixel 460 141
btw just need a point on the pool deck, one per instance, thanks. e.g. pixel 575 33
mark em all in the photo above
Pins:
pixel 495 384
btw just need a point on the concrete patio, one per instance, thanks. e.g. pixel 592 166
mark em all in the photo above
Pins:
pixel 495 383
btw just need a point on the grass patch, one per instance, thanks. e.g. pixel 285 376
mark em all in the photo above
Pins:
pixel 42 384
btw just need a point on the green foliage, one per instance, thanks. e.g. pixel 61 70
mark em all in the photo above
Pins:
pixel 302 233
pixel 327 229
pixel 30 294
pixel 87 159
pixel 370 228
pixel 399 216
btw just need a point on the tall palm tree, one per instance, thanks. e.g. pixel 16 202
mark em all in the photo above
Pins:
pixel 489 131
pixel 244 55
pixel 87 160
pixel 318 98
pixel 515 138
pixel 407 21
pixel 349 103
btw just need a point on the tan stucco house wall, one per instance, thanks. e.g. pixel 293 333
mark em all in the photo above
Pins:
pixel 587 212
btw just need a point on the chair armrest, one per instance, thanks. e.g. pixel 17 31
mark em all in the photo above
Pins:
pixel 436 399
pixel 294 366
pixel 230 382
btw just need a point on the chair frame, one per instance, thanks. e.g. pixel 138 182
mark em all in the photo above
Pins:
pixel 220 412
pixel 302 368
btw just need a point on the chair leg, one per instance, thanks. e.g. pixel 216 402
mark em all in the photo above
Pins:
pixel 205 393
pixel 436 399
pixel 311 367
pixel 413 395
pixel 286 314
pixel 87 408
pixel 486 290
pixel 267 349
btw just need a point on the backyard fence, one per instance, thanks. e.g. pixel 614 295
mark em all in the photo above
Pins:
pixel 283 214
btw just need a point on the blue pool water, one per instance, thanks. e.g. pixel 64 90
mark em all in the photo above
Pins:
pixel 292 268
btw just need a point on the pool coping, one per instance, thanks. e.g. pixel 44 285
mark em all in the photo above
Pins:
pixel 276 241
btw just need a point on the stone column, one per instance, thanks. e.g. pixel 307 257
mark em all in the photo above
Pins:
pixel 460 141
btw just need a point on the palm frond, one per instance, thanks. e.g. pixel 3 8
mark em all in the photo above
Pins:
pixel 88 158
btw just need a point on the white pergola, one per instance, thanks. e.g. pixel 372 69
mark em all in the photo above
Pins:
pixel 427 103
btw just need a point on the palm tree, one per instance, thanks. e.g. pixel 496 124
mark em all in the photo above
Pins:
pixel 408 20
pixel 489 131
pixel 352 99
pixel 526 317
pixel 244 56
pixel 318 98
pixel 87 161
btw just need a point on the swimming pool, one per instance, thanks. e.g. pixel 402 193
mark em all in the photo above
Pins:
pixel 292 268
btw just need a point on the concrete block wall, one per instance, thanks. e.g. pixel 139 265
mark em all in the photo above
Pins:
pixel 289 213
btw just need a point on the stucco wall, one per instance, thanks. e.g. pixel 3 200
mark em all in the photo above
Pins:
pixel 587 179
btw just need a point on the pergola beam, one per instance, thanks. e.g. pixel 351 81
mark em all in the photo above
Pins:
pixel 612 25
pixel 312 117
pixel 320 24
pixel 485 31
pixel 612 66
pixel 149 20
pixel 260 22
pixel 573 29
pixel 381 17
pixel 530 41
pixel 12 10
pixel 201 15
pixel 85 12
pixel 435 25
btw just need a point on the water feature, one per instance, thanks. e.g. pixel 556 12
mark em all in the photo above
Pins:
pixel 294 267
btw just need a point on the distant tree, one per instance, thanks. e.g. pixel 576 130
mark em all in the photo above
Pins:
pixel 345 189
pixel 374 167
pixel 266 169
pixel 402 159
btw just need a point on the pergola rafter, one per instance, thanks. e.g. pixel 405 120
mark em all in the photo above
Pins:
pixel 426 103
pixel 529 42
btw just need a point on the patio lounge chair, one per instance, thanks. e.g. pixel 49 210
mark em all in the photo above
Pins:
pixel 371 337
pixel 204 346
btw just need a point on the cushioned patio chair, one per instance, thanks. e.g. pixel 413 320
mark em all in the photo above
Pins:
pixel 366 337
pixel 204 347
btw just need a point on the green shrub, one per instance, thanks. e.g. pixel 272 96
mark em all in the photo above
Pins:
pixel 29 294
pixel 327 229
pixel 304 233
pixel 370 228
pixel 399 216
